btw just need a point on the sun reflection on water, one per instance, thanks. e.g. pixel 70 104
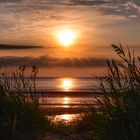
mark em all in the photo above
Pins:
pixel 64 118
pixel 66 101
pixel 67 117
pixel 67 84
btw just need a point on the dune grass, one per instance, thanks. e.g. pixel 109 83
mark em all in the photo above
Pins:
pixel 118 114
pixel 20 117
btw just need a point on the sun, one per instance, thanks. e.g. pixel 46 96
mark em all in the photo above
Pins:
pixel 66 37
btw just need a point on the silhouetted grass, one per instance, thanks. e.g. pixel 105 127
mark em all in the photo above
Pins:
pixel 20 117
pixel 118 114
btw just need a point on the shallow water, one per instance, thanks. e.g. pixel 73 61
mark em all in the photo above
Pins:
pixel 65 118
pixel 66 100
pixel 66 109
pixel 66 106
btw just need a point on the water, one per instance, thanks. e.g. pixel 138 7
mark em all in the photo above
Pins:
pixel 67 84
pixel 64 97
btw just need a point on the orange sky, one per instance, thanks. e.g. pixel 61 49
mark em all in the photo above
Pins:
pixel 94 24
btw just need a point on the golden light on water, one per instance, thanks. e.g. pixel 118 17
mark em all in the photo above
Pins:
pixel 67 84
pixel 66 101
pixel 66 37
pixel 67 117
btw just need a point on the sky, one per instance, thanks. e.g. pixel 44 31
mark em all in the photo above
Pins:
pixel 95 23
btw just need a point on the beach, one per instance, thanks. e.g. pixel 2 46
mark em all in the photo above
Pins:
pixel 66 106
pixel 66 98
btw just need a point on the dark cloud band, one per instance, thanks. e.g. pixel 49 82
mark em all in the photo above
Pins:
pixel 76 2
pixel 11 0
pixel 18 47
pixel 45 61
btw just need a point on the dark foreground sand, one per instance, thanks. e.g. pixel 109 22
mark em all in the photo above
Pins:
pixel 68 136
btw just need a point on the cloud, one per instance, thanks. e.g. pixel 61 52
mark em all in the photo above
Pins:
pixel 124 8
pixel 3 1
pixel 87 2
pixel 45 61
pixel 37 19
pixel 127 8
pixel 18 47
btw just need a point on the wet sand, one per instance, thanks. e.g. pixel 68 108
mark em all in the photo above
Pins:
pixel 65 107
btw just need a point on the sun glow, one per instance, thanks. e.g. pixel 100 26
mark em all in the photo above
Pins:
pixel 66 37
